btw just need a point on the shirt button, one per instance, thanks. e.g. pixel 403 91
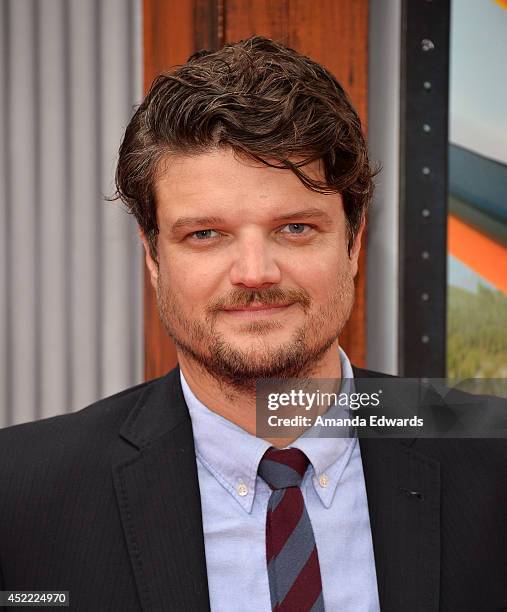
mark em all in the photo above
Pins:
pixel 242 489
pixel 324 480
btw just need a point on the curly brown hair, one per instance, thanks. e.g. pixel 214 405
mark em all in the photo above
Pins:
pixel 263 100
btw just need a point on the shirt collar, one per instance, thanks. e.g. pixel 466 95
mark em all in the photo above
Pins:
pixel 232 455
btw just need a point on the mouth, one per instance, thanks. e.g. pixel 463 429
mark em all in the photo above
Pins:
pixel 257 310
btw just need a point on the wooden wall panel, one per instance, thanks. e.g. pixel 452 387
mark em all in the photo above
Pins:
pixel 168 35
pixel 168 40
pixel 331 32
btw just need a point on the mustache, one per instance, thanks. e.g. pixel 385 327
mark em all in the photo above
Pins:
pixel 272 296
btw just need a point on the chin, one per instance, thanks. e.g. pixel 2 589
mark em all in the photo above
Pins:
pixel 250 340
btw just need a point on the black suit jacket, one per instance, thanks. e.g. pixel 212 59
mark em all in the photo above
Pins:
pixel 105 503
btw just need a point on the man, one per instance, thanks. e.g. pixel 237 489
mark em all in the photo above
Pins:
pixel 249 177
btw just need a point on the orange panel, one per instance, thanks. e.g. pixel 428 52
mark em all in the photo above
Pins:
pixel 477 251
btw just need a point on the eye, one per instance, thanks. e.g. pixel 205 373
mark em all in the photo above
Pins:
pixel 295 228
pixel 203 234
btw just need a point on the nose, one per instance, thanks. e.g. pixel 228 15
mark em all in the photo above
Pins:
pixel 254 264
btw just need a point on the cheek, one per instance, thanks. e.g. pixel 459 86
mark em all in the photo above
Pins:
pixel 192 286
pixel 320 274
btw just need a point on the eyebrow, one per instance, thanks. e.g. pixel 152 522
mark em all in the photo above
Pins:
pixel 307 213
pixel 185 222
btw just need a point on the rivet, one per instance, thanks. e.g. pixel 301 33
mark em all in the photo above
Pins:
pixel 425 170
pixel 427 44
pixel 425 255
pixel 427 85
pixel 426 128
pixel 425 297
pixel 425 212
pixel 425 339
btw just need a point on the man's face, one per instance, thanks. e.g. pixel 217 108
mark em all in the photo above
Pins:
pixel 254 279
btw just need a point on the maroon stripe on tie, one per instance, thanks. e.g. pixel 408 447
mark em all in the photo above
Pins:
pixel 282 522
pixel 292 457
pixel 306 588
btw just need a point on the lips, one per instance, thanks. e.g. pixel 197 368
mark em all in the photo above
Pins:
pixel 253 308
pixel 257 309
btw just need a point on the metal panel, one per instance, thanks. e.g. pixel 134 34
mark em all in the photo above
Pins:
pixel 423 187
pixel 21 147
pixel 83 202
pixel 4 218
pixel 383 137
pixel 71 276
pixel 118 234
pixel 53 238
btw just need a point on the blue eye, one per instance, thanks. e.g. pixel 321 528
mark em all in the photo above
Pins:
pixel 295 228
pixel 203 234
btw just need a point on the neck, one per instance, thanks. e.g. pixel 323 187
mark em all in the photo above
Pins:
pixel 240 407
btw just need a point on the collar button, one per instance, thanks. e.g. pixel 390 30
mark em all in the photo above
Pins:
pixel 323 480
pixel 242 489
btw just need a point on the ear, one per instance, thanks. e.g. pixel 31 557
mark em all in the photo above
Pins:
pixel 356 248
pixel 151 264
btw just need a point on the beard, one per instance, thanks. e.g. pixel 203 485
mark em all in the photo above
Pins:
pixel 241 368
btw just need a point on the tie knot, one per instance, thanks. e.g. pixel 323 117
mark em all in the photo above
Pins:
pixel 283 468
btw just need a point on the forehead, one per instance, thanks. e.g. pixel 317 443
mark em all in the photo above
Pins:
pixel 223 183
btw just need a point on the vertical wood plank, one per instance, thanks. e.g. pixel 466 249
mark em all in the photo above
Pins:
pixel 245 18
pixel 168 40
pixel 168 35
pixel 208 24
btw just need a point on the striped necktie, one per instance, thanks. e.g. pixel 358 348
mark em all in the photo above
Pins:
pixel 293 563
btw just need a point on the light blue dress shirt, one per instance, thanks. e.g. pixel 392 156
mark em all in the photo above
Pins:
pixel 234 504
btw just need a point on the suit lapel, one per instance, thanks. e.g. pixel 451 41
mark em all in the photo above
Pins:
pixel 403 490
pixel 156 482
